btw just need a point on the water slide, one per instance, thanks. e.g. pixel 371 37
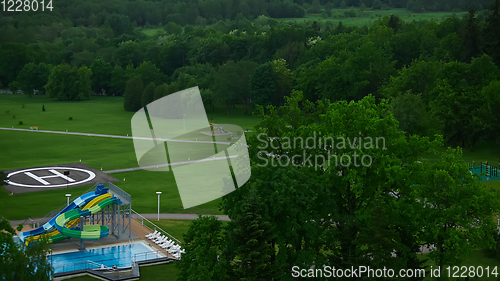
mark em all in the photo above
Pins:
pixel 48 226
pixel 88 231
pixel 55 235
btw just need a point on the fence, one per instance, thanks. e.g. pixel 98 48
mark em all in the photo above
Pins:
pixel 79 266
pixel 151 226
pixel 84 265
pixel 490 171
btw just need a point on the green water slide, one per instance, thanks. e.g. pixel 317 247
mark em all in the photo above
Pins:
pixel 89 231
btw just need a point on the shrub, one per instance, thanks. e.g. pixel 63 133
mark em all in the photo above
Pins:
pixel 14 116
pixel 70 118
pixel 21 122
pixel 228 138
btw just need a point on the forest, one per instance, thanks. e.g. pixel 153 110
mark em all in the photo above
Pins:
pixel 420 66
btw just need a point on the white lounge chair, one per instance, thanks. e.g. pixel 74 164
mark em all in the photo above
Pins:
pixel 154 237
pixel 158 238
pixel 151 235
pixel 167 245
pixel 161 240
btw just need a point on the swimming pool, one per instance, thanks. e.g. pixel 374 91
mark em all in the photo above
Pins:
pixel 120 255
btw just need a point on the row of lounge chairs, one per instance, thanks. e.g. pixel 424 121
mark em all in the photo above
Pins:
pixel 167 244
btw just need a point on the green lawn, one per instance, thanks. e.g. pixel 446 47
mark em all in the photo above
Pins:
pixel 99 115
pixel 141 185
pixel 103 115
pixel 369 17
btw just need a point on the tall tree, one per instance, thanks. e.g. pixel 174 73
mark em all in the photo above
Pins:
pixel 459 209
pixel 231 83
pixel 133 94
pixel 471 37
pixel 18 262
pixel 491 33
pixel 263 85
pixel 118 80
pixel 101 76
pixel 251 236
pixel 34 77
pixel 69 83
pixel 148 94
pixel 204 243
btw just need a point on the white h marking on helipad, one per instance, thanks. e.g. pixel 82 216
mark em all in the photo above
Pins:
pixel 42 181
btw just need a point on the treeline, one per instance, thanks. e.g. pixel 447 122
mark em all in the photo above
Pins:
pixel 123 15
pixel 243 63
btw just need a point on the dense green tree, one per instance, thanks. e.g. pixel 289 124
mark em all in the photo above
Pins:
pixel 119 23
pixel 459 210
pixel 204 242
pixel 101 76
pixel 118 80
pixel 491 114
pixel 149 73
pixel 69 83
pixel 251 236
pixel 133 94
pixel 148 94
pixel 284 80
pixel 350 76
pixel 160 92
pixel 491 33
pixel 471 38
pixel 336 190
pixel 18 262
pixel 263 86
pixel 34 77
pixel 419 77
pixel 14 57
pixel 231 83
pixel 395 23
pixel 410 111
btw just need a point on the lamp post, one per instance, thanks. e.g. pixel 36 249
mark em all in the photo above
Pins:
pixel 184 120
pixel 68 195
pixel 158 192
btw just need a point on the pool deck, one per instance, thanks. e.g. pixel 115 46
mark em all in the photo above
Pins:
pixel 139 232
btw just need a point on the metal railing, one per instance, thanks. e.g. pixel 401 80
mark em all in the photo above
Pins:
pixel 88 264
pixel 147 256
pixel 79 266
pixel 151 226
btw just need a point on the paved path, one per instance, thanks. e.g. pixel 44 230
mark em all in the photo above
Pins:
pixel 181 216
pixel 109 136
pixel 148 216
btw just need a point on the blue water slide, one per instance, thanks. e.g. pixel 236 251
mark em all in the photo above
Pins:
pixel 77 203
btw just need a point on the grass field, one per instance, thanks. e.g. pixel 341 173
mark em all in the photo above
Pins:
pixel 369 17
pixel 104 115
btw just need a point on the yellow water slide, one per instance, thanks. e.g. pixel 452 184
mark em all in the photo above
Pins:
pixel 69 224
